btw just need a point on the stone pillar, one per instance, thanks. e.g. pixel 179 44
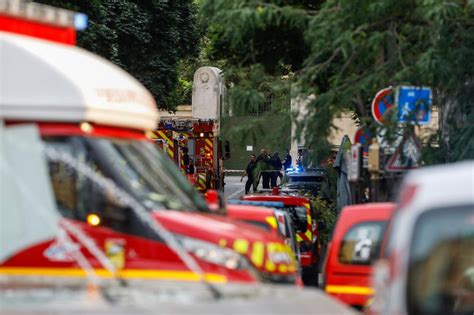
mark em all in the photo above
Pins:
pixel 208 93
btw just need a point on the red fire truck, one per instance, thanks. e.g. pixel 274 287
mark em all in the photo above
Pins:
pixel 307 238
pixel 195 146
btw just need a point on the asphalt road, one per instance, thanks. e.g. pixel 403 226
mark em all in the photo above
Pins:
pixel 233 187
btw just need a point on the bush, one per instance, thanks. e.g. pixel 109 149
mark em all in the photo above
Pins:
pixel 327 214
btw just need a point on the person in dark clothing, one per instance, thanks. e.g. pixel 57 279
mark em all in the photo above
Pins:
pixel 185 157
pixel 263 165
pixel 190 169
pixel 287 160
pixel 249 173
pixel 275 162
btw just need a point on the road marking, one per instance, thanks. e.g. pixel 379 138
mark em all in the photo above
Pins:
pixel 238 192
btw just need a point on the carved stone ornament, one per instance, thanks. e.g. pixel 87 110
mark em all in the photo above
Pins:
pixel 204 77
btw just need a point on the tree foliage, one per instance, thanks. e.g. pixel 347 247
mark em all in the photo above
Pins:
pixel 344 51
pixel 259 47
pixel 146 38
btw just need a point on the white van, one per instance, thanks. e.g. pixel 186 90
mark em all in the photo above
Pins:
pixel 428 265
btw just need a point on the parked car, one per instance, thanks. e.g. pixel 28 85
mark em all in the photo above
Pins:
pixel 355 245
pixel 301 181
pixel 428 259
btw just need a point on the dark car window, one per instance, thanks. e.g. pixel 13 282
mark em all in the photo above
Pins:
pixel 307 179
pixel 361 243
pixel 260 224
pixel 441 262
pixel 77 196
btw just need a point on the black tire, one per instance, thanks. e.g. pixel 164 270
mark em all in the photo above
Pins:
pixel 310 275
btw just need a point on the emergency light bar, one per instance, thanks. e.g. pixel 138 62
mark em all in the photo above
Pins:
pixel 269 204
pixel 42 13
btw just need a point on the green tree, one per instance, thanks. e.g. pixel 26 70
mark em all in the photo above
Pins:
pixel 345 51
pixel 146 38
pixel 359 48
pixel 259 48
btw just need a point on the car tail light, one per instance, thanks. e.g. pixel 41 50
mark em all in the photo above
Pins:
pixel 407 195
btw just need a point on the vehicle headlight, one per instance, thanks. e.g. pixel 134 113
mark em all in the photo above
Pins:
pixel 214 254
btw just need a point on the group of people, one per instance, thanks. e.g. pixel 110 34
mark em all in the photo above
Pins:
pixel 267 167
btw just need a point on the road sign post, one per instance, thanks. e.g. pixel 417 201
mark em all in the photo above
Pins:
pixel 414 104
pixel 354 163
pixel 374 167
pixel 407 155
pixel 382 104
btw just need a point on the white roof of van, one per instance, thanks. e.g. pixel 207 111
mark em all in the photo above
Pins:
pixel 442 185
pixel 45 81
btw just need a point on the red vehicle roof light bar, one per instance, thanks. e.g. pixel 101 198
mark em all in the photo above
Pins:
pixel 41 21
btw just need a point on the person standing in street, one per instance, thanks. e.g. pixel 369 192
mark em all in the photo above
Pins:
pixel 287 160
pixel 249 172
pixel 263 165
pixel 191 171
pixel 275 162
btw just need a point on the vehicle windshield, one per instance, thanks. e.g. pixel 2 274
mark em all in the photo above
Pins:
pixel 137 167
pixel 441 264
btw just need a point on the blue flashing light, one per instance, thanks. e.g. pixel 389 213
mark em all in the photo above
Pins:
pixel 298 169
pixel 80 21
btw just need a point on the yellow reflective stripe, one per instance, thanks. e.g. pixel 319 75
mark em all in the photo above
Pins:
pixel 308 234
pixel 163 136
pixel 156 274
pixel 271 248
pixel 201 182
pixel 293 257
pixel 170 143
pixel 201 178
pixel 348 289
pixel 258 252
pixel 151 134
pixel 298 238
pixel 241 246
pixel 309 231
pixel 272 221
pixel 208 142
